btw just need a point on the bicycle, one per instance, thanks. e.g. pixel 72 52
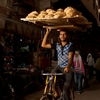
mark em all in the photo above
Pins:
pixel 51 81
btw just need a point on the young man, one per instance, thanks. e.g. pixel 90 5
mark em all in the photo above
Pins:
pixel 65 54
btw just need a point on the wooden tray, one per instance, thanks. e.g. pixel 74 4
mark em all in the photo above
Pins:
pixel 60 21
pixel 77 21
pixel 68 27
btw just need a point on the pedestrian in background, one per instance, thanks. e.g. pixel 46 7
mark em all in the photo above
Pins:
pixel 97 67
pixel 90 65
pixel 78 70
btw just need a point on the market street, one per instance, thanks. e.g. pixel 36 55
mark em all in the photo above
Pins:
pixel 91 93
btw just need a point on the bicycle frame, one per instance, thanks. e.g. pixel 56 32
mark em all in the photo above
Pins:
pixel 47 83
pixel 48 93
pixel 48 90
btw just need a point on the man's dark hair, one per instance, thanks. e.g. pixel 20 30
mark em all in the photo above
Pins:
pixel 65 30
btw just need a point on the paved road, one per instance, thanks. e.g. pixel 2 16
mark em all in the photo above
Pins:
pixel 91 93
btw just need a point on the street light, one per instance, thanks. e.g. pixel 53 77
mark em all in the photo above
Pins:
pixel 15 7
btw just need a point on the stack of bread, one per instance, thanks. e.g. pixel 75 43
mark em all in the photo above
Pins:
pixel 52 14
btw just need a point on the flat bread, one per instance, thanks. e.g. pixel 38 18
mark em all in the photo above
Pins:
pixel 60 9
pixel 70 12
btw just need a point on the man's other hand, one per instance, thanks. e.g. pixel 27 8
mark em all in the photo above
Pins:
pixel 66 69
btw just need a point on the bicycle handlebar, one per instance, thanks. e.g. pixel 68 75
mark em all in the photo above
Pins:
pixel 52 73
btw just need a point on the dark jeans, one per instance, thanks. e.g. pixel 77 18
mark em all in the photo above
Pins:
pixel 68 82
pixel 90 71
pixel 78 81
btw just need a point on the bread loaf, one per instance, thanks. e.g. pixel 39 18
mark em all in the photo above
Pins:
pixel 43 12
pixel 41 16
pixel 49 16
pixel 60 9
pixel 71 12
pixel 57 16
pixel 33 14
pixel 48 10
pixel 59 13
pixel 62 14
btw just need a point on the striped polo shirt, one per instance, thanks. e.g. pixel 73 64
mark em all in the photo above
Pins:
pixel 62 53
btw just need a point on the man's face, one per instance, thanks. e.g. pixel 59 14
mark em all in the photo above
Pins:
pixel 63 36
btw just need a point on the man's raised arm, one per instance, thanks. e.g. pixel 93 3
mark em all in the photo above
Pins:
pixel 44 41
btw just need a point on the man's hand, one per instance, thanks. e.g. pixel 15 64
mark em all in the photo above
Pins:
pixel 48 30
pixel 66 69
